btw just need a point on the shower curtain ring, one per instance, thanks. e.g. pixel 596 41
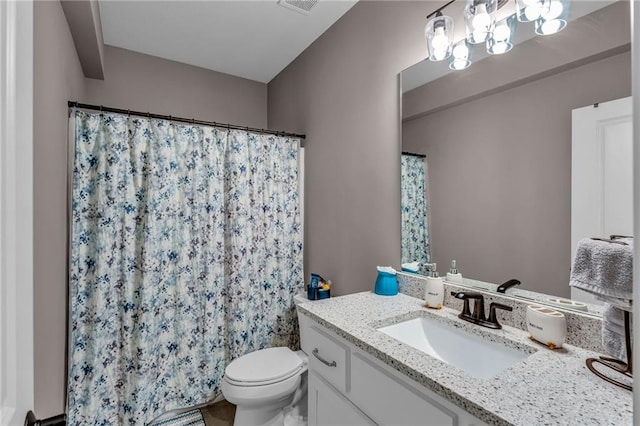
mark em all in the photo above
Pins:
pixel 101 108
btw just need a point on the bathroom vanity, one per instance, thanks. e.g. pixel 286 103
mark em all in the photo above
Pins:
pixel 360 374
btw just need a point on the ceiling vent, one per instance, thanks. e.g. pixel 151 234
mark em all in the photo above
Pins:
pixel 300 6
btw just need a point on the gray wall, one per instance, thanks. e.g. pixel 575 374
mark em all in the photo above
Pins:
pixel 147 83
pixel 343 92
pixel 132 81
pixel 57 78
pixel 500 175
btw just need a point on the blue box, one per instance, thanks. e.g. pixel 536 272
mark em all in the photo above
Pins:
pixel 317 293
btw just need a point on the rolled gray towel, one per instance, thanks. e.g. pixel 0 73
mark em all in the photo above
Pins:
pixel 613 332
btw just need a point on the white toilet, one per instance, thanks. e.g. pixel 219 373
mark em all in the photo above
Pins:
pixel 269 386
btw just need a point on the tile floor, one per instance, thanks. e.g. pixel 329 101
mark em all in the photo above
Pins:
pixel 219 414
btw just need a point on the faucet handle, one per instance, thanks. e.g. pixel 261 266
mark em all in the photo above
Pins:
pixel 492 313
pixel 465 306
pixel 467 295
pixel 478 306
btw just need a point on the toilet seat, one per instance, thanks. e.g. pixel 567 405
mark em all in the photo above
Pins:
pixel 264 367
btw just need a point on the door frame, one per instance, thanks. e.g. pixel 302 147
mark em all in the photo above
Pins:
pixel 588 170
pixel 16 211
pixel 635 90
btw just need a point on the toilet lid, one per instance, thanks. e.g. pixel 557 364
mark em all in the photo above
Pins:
pixel 264 366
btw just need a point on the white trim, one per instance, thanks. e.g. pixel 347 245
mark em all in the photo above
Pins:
pixel 16 211
pixel 635 89
pixel 301 187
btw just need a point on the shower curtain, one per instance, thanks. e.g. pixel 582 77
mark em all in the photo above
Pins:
pixel 415 229
pixel 186 251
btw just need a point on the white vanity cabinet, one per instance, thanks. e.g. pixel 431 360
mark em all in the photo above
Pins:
pixel 348 386
pixel 327 406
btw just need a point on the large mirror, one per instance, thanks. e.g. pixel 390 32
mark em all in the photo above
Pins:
pixel 489 148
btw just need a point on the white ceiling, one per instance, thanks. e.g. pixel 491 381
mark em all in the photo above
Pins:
pixel 250 39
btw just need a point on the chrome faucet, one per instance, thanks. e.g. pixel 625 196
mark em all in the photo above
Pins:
pixel 478 316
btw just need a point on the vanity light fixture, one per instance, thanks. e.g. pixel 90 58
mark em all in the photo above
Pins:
pixel 439 36
pixel 554 19
pixel 479 18
pixel 548 16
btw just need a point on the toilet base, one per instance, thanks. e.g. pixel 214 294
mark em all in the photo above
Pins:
pixel 271 414
pixel 286 409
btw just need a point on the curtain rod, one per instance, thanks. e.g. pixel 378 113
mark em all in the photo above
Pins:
pixel 414 155
pixel 75 104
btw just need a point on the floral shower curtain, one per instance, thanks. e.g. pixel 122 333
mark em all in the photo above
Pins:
pixel 186 251
pixel 415 229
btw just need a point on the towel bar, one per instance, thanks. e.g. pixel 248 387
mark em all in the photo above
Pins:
pixel 622 243
pixel 623 368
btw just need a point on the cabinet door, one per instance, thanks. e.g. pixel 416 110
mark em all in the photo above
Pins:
pixel 328 407
pixel 389 401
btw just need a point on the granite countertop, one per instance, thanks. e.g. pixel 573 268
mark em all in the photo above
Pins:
pixel 548 387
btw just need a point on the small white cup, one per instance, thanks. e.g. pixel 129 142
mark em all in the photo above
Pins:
pixel 547 326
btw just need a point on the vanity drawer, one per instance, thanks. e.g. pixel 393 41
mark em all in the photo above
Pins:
pixel 328 357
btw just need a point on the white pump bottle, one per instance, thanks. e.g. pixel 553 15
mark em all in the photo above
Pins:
pixel 434 290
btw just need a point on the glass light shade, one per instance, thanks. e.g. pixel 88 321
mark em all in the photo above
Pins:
pixel 531 10
pixel 461 56
pixel 479 18
pixel 501 41
pixel 439 36
pixel 554 19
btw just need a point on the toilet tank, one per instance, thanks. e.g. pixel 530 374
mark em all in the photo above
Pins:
pixel 304 323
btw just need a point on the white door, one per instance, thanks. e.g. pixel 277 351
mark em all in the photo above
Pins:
pixel 601 174
pixel 16 211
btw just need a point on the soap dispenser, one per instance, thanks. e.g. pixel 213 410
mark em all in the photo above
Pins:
pixel 434 290
pixel 453 276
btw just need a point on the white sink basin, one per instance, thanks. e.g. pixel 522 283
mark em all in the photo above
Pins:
pixel 478 357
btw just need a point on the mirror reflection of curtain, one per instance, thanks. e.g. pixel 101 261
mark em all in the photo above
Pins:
pixel 415 229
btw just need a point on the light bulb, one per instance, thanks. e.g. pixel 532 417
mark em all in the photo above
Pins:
pixel 440 40
pixel 532 12
pixel 501 47
pixel 479 36
pixel 439 54
pixel 501 32
pixel 461 51
pixel 459 64
pixel 551 27
pixel 555 10
pixel 481 19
